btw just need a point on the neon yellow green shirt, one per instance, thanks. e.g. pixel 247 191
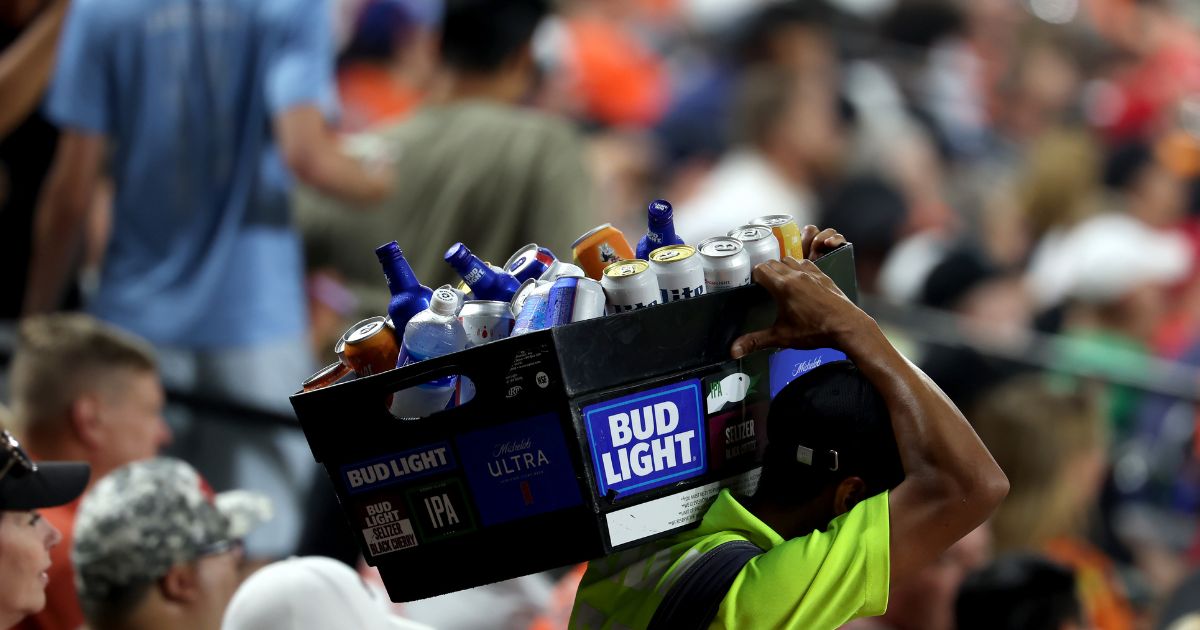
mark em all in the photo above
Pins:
pixel 818 581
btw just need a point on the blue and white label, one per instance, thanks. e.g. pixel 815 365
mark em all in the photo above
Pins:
pixel 398 468
pixel 648 439
pixel 519 469
pixel 787 365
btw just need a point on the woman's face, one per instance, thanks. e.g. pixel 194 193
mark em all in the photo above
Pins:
pixel 25 542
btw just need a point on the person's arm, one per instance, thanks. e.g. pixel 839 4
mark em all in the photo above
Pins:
pixel 25 66
pixel 951 482
pixel 61 217
pixel 311 151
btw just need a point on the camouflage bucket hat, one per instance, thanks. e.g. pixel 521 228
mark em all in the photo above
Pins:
pixel 142 519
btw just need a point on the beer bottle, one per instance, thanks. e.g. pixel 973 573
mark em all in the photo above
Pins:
pixel 662 229
pixel 409 296
pixel 486 282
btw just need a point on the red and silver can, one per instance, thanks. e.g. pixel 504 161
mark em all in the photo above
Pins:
pixel 759 242
pixel 486 321
pixel 531 261
pixel 679 272
pixel 574 300
pixel 629 285
pixel 328 375
pixel 726 263
pixel 370 347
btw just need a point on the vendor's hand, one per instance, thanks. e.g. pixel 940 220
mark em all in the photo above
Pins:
pixel 813 311
pixel 818 242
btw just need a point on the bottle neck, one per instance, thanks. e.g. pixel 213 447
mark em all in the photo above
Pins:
pixel 663 227
pixel 473 271
pixel 400 276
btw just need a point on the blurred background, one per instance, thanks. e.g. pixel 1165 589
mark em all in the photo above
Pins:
pixel 1020 178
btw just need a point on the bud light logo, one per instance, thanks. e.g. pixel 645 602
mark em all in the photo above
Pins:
pixel 398 468
pixel 648 439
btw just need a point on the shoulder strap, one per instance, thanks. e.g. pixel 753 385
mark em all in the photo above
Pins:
pixel 692 601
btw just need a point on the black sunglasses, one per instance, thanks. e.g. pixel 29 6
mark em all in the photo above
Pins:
pixel 16 461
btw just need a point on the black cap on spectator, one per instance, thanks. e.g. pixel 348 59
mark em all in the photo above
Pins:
pixel 1124 163
pixel 959 272
pixel 869 212
pixel 1018 592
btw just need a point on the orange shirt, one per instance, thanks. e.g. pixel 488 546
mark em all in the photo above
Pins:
pixel 62 611
pixel 370 96
pixel 1102 596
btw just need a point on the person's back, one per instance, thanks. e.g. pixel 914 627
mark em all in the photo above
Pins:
pixel 488 174
pixel 471 166
pixel 201 254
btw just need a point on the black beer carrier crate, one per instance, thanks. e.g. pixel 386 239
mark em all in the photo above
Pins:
pixel 581 440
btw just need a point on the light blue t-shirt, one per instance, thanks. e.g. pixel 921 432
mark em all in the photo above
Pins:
pixel 202 254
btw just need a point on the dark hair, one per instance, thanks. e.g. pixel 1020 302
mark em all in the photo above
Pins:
pixel 481 35
pixel 380 24
pixel 763 96
pixel 114 611
pixel 754 41
pixel 1018 592
pixel 832 407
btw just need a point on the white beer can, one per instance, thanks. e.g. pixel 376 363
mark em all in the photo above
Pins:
pixel 629 285
pixel 759 242
pixel 726 263
pixel 679 271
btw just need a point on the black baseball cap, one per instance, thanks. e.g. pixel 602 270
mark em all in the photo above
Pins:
pixel 25 485
pixel 832 422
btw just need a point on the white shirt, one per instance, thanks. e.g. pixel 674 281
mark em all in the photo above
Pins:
pixel 742 187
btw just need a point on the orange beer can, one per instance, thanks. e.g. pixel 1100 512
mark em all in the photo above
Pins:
pixel 369 347
pixel 599 248
pixel 327 376
pixel 786 232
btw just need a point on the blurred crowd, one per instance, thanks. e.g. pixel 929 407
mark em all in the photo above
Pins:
pixel 208 179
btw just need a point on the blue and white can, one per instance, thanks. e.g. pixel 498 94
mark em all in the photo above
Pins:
pixel 574 300
pixel 531 307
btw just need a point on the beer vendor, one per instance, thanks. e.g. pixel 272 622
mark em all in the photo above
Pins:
pixel 870 473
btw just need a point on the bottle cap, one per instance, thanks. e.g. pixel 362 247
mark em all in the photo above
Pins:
pixel 444 302
pixel 388 251
pixel 660 209
pixel 457 254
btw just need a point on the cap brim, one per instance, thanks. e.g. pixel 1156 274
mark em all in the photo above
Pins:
pixel 52 484
pixel 245 511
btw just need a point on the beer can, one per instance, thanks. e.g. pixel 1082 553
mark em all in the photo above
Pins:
pixel 370 347
pixel 531 261
pixel 786 232
pixel 679 271
pixel 327 376
pixel 574 300
pixel 531 306
pixel 562 269
pixel 759 241
pixel 629 285
pixel 726 263
pixel 599 248
pixel 486 321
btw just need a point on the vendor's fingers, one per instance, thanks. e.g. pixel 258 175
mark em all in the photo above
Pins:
pixel 750 342
pixel 807 234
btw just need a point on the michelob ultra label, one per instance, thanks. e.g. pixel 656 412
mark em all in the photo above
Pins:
pixel 647 439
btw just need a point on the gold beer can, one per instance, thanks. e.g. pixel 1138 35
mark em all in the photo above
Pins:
pixel 786 232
